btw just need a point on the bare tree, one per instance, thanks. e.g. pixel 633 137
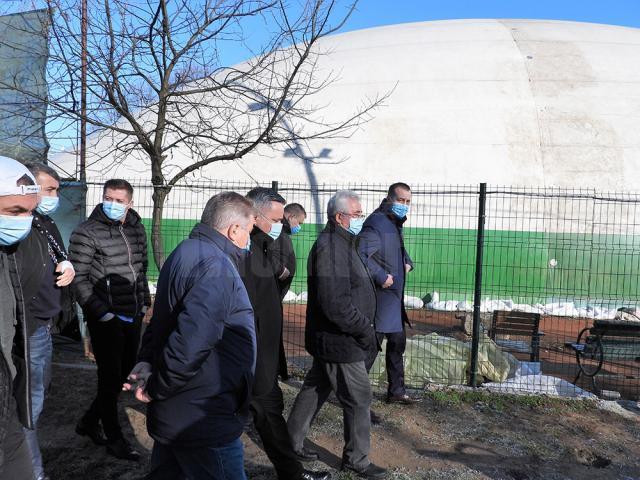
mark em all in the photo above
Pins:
pixel 155 80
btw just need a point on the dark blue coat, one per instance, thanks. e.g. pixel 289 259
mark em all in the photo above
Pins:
pixel 201 343
pixel 382 246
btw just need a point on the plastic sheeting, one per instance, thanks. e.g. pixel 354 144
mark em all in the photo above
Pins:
pixel 444 360
pixel 23 61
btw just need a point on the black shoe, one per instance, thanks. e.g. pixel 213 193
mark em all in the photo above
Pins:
pixel 120 448
pixel 306 455
pixel 309 475
pixel 370 471
pixel 94 432
pixel 403 399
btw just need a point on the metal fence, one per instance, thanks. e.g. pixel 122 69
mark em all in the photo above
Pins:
pixel 538 313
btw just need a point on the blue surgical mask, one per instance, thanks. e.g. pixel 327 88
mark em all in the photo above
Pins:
pixel 247 247
pixel 400 210
pixel 276 230
pixel 355 225
pixel 48 205
pixel 13 229
pixel 114 210
pixel 295 229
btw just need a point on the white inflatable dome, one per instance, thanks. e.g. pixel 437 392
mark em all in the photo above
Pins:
pixel 515 102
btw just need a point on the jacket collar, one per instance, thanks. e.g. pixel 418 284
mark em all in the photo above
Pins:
pixel 385 209
pixel 333 227
pixel 205 233
pixel 99 216
pixel 286 227
pixel 258 237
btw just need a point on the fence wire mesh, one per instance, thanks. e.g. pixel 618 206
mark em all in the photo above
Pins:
pixel 558 266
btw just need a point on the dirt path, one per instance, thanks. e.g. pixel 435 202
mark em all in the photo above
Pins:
pixel 449 435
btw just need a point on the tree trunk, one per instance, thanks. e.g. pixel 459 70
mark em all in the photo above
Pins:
pixel 159 197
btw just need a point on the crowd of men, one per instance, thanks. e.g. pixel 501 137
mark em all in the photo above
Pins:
pixel 208 362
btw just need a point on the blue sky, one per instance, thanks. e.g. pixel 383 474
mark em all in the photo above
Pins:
pixel 386 12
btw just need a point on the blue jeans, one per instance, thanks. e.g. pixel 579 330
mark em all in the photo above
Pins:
pixel 199 463
pixel 40 351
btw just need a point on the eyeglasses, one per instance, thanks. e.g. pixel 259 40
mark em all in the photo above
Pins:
pixel 353 215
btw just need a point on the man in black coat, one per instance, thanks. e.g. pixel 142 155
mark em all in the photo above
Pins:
pixel 283 257
pixel 46 274
pixel 281 252
pixel 382 247
pixel 109 253
pixel 340 336
pixel 200 350
pixel 258 274
pixel 18 199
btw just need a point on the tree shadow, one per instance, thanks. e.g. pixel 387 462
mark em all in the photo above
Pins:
pixel 486 460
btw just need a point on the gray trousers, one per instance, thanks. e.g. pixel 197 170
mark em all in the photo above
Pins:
pixel 350 383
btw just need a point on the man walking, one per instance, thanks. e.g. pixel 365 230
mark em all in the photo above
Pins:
pixel 200 348
pixel 281 252
pixel 267 404
pixel 109 253
pixel 340 336
pixel 18 199
pixel 382 246
pixel 45 273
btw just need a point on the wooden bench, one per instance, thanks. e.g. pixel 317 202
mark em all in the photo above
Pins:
pixel 606 340
pixel 517 331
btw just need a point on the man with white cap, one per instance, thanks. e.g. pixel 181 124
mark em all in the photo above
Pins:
pixel 18 199
pixel 45 274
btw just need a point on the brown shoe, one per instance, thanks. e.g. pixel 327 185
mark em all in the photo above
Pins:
pixel 402 399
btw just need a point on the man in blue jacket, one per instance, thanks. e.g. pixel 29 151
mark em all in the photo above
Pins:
pixel 198 354
pixel 382 245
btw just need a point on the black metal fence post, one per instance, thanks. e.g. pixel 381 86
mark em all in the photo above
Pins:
pixel 274 186
pixel 477 295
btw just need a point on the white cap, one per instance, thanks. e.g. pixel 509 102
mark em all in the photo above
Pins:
pixel 10 172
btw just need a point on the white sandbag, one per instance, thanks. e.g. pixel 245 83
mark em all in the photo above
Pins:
pixel 290 297
pixel 413 302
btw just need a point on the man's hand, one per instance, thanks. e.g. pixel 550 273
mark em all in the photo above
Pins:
pixel 67 273
pixel 388 282
pixel 407 268
pixel 147 315
pixel 138 379
pixel 142 396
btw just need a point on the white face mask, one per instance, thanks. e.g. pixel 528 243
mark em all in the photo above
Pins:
pixel 14 229
pixel 276 230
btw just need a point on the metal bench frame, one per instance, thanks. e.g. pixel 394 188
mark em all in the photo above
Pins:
pixel 594 344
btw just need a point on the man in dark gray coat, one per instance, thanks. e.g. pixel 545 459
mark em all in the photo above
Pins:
pixel 18 199
pixel 340 335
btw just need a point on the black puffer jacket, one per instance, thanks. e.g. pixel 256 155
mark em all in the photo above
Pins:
pixel 341 308
pixel 110 259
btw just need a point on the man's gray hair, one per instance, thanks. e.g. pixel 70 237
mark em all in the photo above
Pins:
pixel 227 208
pixel 339 202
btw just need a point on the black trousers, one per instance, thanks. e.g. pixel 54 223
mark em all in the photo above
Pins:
pixel 267 416
pixel 394 362
pixel 115 346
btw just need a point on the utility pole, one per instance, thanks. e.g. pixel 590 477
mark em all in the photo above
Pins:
pixel 83 95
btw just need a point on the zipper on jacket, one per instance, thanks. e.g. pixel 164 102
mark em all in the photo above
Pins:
pixel 133 272
pixel 109 291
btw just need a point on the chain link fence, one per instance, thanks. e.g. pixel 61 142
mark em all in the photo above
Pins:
pixel 552 309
